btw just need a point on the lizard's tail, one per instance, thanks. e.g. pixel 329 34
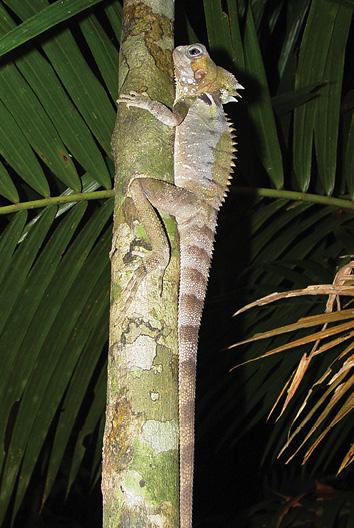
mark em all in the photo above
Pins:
pixel 196 245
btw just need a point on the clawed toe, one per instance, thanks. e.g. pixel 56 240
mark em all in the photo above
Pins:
pixel 133 98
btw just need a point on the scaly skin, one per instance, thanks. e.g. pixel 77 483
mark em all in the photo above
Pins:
pixel 203 160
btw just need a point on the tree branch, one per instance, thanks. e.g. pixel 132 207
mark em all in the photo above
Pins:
pixel 140 454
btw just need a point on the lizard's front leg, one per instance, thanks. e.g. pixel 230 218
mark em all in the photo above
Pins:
pixel 157 109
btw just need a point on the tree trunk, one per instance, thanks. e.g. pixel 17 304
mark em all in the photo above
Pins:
pixel 140 454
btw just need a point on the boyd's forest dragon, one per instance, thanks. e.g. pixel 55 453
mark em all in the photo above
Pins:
pixel 204 150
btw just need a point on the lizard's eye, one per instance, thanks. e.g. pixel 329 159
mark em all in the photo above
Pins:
pixel 194 51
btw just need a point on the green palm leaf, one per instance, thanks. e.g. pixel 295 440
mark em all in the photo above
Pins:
pixel 322 54
pixel 42 316
pixel 49 17
pixel 45 269
pixel 73 71
pixel 15 148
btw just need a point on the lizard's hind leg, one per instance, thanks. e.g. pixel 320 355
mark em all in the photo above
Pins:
pixel 148 194
pixel 156 255
pixel 159 256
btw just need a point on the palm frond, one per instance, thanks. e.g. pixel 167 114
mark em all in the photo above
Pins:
pixel 57 119
pixel 325 412
pixel 51 309
pixel 50 16
pixel 290 244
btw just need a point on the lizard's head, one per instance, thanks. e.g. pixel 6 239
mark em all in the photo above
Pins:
pixel 196 74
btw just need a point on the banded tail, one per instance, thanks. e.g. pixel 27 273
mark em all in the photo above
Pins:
pixel 196 246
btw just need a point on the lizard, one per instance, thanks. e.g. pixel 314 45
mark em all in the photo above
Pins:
pixel 204 152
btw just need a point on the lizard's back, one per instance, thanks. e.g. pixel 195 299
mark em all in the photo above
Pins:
pixel 204 152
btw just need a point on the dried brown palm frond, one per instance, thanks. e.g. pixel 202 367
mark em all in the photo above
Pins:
pixel 336 401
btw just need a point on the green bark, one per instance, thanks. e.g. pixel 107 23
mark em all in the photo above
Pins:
pixel 140 454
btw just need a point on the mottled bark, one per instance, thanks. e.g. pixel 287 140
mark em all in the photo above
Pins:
pixel 140 455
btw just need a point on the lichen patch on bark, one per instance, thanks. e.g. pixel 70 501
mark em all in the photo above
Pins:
pixel 161 436
pixel 140 354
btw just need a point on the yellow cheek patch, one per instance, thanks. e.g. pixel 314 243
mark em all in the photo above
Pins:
pixel 205 73
pixel 201 63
